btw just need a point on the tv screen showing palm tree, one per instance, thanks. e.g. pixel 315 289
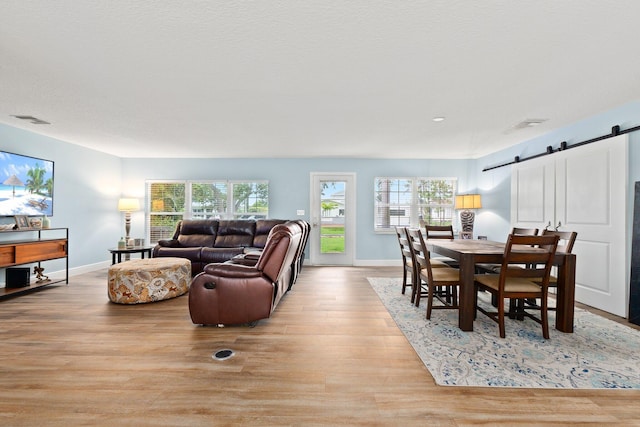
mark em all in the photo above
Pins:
pixel 26 185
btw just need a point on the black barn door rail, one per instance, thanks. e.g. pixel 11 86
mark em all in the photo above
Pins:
pixel 615 131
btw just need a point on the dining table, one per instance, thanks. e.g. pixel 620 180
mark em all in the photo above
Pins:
pixel 468 253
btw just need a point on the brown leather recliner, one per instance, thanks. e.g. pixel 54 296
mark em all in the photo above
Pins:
pixel 251 257
pixel 229 294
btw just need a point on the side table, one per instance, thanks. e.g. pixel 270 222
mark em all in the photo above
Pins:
pixel 132 250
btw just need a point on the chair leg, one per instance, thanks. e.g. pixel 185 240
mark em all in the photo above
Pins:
pixel 544 318
pixel 429 302
pixel 413 287
pixel 475 301
pixel 447 292
pixel 512 308
pixel 494 300
pixel 516 308
pixel 501 318
pixel 418 289
pixel 404 279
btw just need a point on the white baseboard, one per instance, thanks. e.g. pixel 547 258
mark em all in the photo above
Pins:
pixel 75 271
pixel 371 263
pixel 105 264
pixel 88 268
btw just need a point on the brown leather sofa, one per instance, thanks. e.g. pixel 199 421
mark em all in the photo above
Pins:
pixel 233 293
pixel 205 241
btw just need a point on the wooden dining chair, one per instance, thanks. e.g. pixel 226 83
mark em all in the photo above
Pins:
pixel 524 231
pixel 495 268
pixel 566 240
pixel 416 244
pixel 416 237
pixel 437 283
pixel 524 273
pixel 407 259
pixel 439 231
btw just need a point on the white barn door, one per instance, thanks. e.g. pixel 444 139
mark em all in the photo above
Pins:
pixel 584 190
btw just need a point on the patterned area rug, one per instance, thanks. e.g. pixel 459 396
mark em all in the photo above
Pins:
pixel 599 354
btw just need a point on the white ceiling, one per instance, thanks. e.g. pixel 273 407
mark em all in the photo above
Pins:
pixel 323 78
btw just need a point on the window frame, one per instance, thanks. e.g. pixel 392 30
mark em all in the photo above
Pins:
pixel 412 203
pixel 188 211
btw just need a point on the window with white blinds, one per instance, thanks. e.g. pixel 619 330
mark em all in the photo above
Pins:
pixel 170 201
pixel 405 202
pixel 164 208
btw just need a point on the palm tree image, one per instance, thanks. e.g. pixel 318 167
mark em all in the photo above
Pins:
pixel 34 179
pixel 36 183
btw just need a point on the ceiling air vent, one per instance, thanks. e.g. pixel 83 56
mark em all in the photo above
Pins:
pixel 34 120
pixel 527 123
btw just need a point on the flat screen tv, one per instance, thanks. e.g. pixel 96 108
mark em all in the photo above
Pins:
pixel 26 185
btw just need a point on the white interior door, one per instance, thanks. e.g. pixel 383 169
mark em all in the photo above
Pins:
pixel 332 237
pixel 584 190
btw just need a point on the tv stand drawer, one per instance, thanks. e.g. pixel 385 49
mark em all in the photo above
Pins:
pixel 40 251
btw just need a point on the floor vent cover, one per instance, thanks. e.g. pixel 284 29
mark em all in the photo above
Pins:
pixel 223 354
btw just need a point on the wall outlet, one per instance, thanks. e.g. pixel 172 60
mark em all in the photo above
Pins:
pixel 300 212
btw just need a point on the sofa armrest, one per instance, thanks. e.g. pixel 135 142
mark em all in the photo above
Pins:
pixel 232 270
pixel 169 243
pixel 255 255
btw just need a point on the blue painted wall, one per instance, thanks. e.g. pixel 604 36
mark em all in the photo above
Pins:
pixel 89 183
pixel 86 190
pixel 289 185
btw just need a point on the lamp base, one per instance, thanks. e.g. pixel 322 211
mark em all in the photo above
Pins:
pixel 467 218
pixel 127 227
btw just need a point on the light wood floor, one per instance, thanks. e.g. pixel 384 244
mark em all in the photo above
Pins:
pixel 330 355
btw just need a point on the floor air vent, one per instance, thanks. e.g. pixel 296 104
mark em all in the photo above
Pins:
pixel 223 354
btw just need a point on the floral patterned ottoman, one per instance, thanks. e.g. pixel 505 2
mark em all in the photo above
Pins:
pixel 148 280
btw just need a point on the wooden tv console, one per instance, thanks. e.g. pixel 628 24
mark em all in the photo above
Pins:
pixel 38 245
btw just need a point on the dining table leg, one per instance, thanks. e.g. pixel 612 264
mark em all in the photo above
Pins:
pixel 466 310
pixel 565 297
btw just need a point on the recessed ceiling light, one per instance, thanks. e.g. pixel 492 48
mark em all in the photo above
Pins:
pixel 438 119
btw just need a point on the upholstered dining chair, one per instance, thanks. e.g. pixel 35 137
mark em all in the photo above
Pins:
pixel 407 260
pixel 524 273
pixel 440 283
